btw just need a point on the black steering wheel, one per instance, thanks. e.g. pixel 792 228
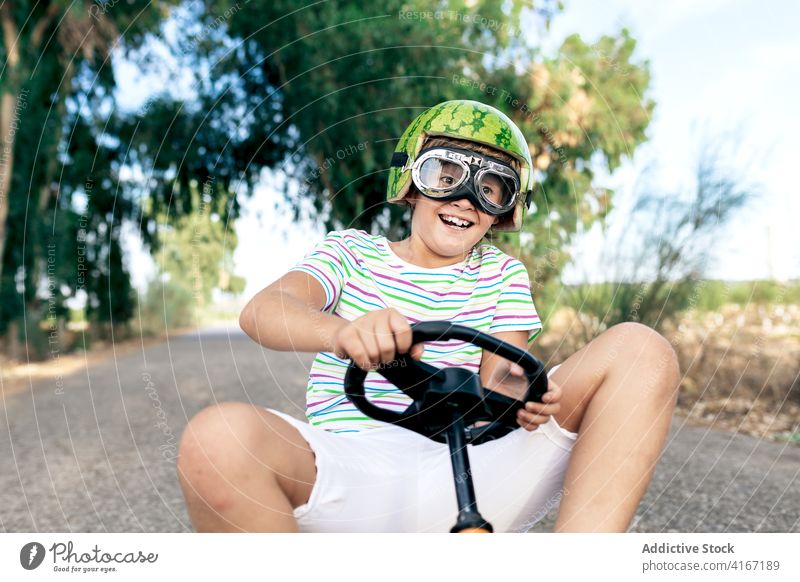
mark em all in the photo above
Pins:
pixel 440 393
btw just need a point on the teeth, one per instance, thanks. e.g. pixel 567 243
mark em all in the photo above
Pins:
pixel 454 220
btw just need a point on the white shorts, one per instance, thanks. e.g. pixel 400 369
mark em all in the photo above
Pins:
pixel 391 479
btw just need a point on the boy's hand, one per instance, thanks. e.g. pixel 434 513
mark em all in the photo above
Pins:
pixel 509 379
pixel 376 338
pixel 536 413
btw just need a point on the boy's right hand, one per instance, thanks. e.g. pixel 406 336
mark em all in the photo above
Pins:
pixel 376 338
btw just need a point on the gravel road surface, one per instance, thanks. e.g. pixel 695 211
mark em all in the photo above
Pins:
pixel 95 451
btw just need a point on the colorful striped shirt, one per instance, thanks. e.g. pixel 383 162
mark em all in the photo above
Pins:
pixel 489 291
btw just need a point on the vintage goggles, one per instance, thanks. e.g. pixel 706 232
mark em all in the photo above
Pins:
pixel 451 173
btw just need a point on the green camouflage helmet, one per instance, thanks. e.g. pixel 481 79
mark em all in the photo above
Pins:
pixel 466 120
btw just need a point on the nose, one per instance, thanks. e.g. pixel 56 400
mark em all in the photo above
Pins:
pixel 463 203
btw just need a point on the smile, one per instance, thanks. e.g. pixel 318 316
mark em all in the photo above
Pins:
pixel 454 222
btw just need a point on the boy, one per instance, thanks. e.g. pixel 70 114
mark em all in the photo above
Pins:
pixel 592 444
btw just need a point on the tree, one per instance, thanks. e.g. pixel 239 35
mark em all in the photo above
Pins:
pixel 60 211
pixel 341 80
pixel 320 93
pixel 196 250
pixel 194 259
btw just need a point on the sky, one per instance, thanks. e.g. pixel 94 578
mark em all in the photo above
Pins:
pixel 731 66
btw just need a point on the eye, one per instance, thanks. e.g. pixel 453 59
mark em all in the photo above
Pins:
pixel 447 180
pixel 492 188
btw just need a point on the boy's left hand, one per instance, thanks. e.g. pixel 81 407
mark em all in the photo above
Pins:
pixel 509 379
pixel 536 413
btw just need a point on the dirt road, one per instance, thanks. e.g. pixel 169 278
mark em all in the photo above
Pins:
pixel 95 450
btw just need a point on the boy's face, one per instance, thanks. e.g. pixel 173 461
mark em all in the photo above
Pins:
pixel 432 222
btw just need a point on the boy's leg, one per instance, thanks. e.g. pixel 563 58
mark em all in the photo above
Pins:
pixel 619 393
pixel 242 468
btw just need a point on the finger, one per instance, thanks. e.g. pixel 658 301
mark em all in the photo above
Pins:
pixel 529 425
pixel 402 332
pixel 384 337
pixel 528 415
pixel 360 358
pixel 539 407
pixel 551 397
pixel 526 418
pixel 546 409
pixel 417 350
pixel 370 346
pixel 517 370
pixel 553 391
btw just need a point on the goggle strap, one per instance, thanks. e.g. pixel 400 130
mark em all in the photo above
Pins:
pixel 399 159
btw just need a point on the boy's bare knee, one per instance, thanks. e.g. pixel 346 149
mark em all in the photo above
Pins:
pixel 642 339
pixel 211 429
pixel 229 444
pixel 651 352
pixel 217 447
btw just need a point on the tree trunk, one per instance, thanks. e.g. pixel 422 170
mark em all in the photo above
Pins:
pixel 8 105
pixel 12 341
pixel 14 97
pixel 8 110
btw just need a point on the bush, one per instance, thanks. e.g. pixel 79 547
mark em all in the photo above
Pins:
pixel 715 294
pixel 165 306
pixel 652 303
pixel 657 252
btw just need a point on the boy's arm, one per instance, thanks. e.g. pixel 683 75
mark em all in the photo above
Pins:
pixel 287 316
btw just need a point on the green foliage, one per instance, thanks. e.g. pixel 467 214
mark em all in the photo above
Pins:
pixel 715 294
pixel 233 284
pixel 765 293
pixel 195 248
pixel 38 334
pixel 167 305
pixel 195 252
pixel 319 93
pixel 66 210
pixel 337 75
pixel 604 304
pixel 652 303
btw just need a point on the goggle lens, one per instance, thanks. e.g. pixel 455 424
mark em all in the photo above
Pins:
pixel 438 174
pixel 497 189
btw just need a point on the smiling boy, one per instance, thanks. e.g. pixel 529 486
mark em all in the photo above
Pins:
pixel 592 444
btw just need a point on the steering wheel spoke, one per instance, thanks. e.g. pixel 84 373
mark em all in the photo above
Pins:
pixel 409 375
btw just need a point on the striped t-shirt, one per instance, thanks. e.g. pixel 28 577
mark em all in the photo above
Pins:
pixel 489 291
